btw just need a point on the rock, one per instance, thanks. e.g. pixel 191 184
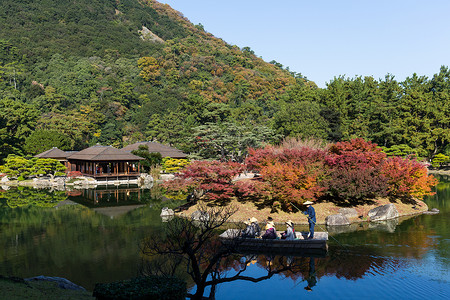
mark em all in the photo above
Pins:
pixel 165 177
pixel 244 176
pixel 337 220
pixel 433 211
pixel 146 178
pixel 62 282
pixel 200 216
pixel 383 212
pixel 166 212
pixel 348 212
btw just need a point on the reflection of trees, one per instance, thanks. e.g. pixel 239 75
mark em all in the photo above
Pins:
pixel 19 197
pixel 439 222
pixel 194 252
pixel 74 242
pixel 195 245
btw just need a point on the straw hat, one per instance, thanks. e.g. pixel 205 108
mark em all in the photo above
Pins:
pixel 253 220
pixel 308 203
pixel 247 222
pixel 270 224
pixel 290 223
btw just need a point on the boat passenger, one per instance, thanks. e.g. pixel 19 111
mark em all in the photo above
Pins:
pixel 252 230
pixel 311 218
pixel 289 234
pixel 270 231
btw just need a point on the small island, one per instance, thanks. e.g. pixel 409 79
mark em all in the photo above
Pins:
pixel 348 178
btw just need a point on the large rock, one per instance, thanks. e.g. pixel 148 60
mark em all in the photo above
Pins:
pixel 166 212
pixel 348 212
pixel 337 220
pixel 384 212
pixel 62 282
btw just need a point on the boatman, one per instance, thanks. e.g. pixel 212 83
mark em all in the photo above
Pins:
pixel 311 217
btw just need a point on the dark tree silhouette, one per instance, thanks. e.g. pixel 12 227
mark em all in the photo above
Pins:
pixel 194 243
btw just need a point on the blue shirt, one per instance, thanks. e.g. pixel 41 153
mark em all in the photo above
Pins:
pixel 311 213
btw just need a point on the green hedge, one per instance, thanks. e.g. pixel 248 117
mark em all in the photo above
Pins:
pixel 151 287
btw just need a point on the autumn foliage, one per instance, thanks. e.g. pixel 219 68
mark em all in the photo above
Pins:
pixel 288 175
pixel 213 177
pixel 351 171
pixel 407 178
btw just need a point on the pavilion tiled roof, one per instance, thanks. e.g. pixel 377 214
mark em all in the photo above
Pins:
pixel 166 151
pixel 103 153
pixel 54 153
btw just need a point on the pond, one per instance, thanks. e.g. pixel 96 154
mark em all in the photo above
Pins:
pixel 93 236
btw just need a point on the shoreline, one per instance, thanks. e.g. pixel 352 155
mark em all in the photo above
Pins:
pixel 248 210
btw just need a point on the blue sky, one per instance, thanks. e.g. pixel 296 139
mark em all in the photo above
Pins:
pixel 323 39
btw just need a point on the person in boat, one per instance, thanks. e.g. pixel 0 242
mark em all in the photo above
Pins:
pixel 252 230
pixel 289 234
pixel 270 231
pixel 311 213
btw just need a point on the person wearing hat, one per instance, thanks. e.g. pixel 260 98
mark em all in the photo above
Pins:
pixel 311 217
pixel 270 231
pixel 255 227
pixel 289 234
pixel 252 230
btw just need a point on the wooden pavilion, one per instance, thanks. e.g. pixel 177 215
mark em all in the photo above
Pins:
pixel 166 151
pixel 55 153
pixel 105 162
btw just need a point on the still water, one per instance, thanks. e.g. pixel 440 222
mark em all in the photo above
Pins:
pixel 94 236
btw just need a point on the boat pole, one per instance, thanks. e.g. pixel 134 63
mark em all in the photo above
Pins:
pixel 319 226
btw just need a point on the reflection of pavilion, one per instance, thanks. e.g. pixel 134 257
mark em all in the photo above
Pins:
pixel 111 201
pixel 110 196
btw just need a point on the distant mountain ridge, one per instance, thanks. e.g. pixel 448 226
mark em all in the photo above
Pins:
pixel 120 69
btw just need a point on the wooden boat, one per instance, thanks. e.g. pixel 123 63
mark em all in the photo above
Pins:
pixel 301 245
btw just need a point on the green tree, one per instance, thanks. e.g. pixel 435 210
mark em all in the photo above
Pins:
pixel 229 141
pixel 302 119
pixel 41 140
pixel 20 167
pixel 150 159
pixel 17 121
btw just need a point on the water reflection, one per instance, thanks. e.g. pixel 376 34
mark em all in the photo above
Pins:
pixel 109 196
pixel 45 233
pixel 21 197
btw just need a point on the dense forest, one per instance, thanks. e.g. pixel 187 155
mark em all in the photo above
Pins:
pixel 77 73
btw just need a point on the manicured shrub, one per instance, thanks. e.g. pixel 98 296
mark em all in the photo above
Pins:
pixel 172 165
pixel 370 151
pixel 355 170
pixel 288 174
pixel 213 177
pixel 439 160
pixel 356 182
pixel 407 178
pixel 148 288
pixel 74 174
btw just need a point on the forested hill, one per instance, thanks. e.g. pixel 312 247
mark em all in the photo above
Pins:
pixel 76 73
